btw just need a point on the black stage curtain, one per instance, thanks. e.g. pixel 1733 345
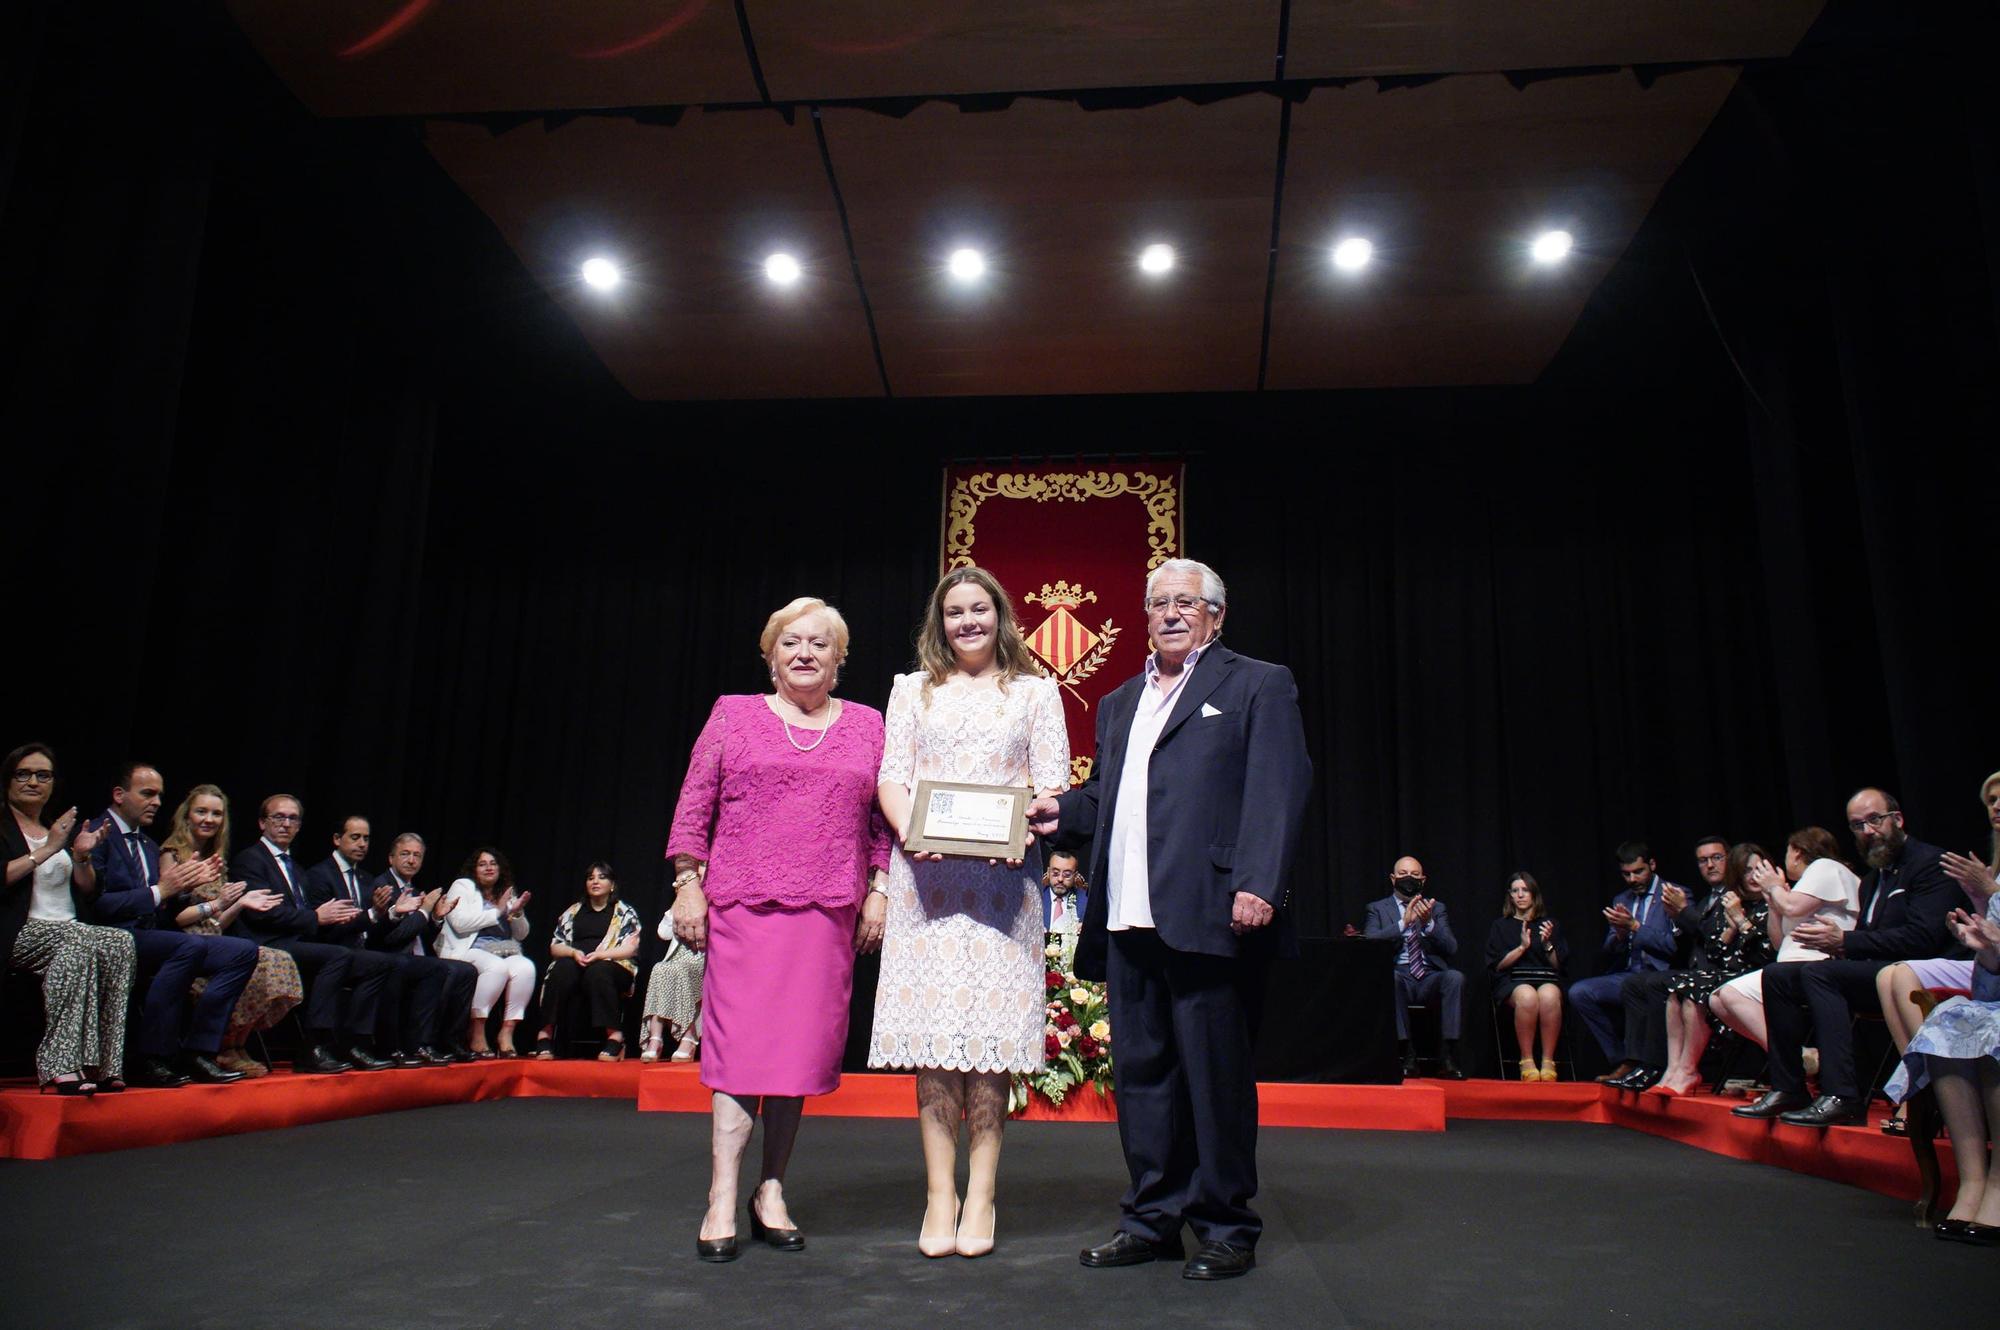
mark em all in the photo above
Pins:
pixel 313 490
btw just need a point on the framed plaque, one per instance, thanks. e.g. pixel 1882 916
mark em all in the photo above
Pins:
pixel 977 821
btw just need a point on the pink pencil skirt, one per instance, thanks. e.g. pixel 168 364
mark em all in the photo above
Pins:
pixel 774 998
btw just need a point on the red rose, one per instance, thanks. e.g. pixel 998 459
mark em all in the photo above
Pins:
pixel 1066 1020
pixel 1054 979
pixel 1088 1047
pixel 1052 1046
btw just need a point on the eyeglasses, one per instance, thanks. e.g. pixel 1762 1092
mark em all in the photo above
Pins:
pixel 1711 858
pixel 1873 822
pixel 23 776
pixel 281 817
pixel 1062 874
pixel 1182 604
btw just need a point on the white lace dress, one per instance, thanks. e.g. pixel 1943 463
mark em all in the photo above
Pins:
pixel 962 962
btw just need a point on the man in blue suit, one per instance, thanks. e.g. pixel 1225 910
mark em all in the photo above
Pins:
pixel 1639 935
pixel 1065 894
pixel 1423 966
pixel 173 1047
pixel 1193 816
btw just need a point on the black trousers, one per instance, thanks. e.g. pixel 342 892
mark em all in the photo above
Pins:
pixel 332 1007
pixel 604 987
pixel 174 961
pixel 425 996
pixel 1645 996
pixel 1187 1097
pixel 1814 1002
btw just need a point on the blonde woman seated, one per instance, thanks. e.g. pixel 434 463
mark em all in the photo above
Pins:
pixel 1525 955
pixel 200 830
pixel 1895 983
pixel 1814 885
pixel 592 949
pixel 673 998
pixel 485 925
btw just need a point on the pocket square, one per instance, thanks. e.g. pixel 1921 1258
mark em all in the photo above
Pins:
pixel 1207 711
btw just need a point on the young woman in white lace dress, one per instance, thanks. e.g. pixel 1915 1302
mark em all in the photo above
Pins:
pixel 960 998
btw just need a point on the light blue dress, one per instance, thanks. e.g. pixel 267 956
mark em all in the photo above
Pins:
pixel 1963 1028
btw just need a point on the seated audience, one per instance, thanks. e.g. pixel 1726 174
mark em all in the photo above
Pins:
pixel 413 920
pixel 199 832
pixel 138 892
pixel 1895 984
pixel 484 924
pixel 1065 895
pixel 673 998
pixel 1735 940
pixel 592 949
pixel 86 971
pixel 1638 936
pixel 339 1019
pixel 1957 1053
pixel 1525 953
pixel 1423 966
pixel 1815 885
pixel 1904 900
pixel 1644 992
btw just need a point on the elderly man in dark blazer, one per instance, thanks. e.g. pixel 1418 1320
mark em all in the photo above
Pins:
pixel 1192 815
pixel 1423 966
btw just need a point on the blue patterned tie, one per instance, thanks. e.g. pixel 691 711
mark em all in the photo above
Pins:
pixel 291 883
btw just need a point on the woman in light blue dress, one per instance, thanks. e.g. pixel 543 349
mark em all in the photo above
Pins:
pixel 1957 1053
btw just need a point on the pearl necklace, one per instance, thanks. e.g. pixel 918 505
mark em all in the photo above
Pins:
pixel 806 748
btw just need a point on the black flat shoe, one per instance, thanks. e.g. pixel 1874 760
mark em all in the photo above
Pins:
pixel 70 1089
pixel 784 1239
pixel 1773 1103
pixel 1829 1110
pixel 716 1251
pixel 1131 1249
pixel 1219 1260
pixel 111 1085
pixel 1964 1230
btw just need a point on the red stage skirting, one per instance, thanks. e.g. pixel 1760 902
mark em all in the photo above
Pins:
pixel 36 1126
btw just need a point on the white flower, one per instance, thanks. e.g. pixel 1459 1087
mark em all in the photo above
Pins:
pixel 1062 1037
pixel 1053 949
pixel 1100 1031
pixel 1080 996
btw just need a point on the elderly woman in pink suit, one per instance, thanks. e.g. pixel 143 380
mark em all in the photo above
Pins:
pixel 780 860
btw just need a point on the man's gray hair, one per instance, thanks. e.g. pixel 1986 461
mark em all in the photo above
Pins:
pixel 406 838
pixel 1212 589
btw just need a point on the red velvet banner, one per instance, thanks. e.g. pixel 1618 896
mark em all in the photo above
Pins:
pixel 1073 547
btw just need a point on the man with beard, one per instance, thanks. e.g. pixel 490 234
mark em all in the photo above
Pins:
pixel 1904 900
pixel 1644 992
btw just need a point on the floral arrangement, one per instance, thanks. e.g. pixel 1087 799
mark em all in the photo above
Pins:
pixel 1076 1032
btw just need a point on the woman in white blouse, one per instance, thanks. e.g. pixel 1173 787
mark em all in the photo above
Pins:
pixel 485 926
pixel 1816 884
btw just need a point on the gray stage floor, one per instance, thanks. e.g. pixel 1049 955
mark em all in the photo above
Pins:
pixel 582 1213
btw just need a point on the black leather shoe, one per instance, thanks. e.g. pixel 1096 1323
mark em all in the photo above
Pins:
pixel 460 1053
pixel 398 1058
pixel 1449 1071
pixel 716 1251
pixel 1829 1110
pixel 159 1074
pixel 1409 1068
pixel 1643 1078
pixel 321 1061
pixel 428 1056
pixel 784 1239
pixel 1219 1260
pixel 1131 1249
pixel 362 1060
pixel 1773 1103
pixel 1964 1230
pixel 201 1067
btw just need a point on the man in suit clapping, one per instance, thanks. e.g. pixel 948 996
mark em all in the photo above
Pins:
pixel 1423 966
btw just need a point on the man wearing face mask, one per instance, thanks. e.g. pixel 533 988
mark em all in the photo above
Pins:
pixel 1423 965
pixel 1904 900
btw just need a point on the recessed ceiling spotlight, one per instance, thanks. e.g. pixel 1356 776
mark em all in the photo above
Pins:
pixel 1551 246
pixel 782 269
pixel 601 273
pixel 1156 259
pixel 1353 254
pixel 967 265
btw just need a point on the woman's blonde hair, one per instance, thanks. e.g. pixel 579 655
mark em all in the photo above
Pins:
pixel 180 831
pixel 793 611
pixel 1010 651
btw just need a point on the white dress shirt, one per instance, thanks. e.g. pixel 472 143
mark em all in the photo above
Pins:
pixel 1130 903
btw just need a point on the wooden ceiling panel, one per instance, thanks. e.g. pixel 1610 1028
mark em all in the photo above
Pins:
pixel 690 212
pixel 1329 38
pixel 429 57
pixel 1451 181
pixel 1063 200
pixel 810 49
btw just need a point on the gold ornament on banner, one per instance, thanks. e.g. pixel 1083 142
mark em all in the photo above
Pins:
pixel 1071 650
pixel 1080 768
pixel 1159 494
